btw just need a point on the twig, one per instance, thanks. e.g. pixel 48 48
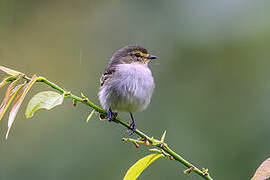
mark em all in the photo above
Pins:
pixel 160 144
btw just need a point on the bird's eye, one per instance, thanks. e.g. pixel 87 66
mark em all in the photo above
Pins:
pixel 137 55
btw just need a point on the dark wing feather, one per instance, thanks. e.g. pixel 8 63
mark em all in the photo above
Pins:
pixel 106 75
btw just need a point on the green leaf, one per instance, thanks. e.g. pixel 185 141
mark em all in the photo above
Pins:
pixel 135 170
pixel 10 71
pixel 46 100
pixel 263 172
pixel 18 101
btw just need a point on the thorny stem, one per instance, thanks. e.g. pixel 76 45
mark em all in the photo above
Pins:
pixel 177 157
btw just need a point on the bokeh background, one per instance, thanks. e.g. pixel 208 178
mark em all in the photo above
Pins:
pixel 212 86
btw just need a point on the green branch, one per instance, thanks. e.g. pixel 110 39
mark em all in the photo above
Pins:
pixel 203 173
pixel 163 148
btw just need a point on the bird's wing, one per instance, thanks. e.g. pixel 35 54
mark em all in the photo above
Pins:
pixel 106 75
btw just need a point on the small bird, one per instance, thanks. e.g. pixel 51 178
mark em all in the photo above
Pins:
pixel 127 83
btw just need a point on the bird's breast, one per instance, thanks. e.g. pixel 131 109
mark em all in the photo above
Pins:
pixel 134 77
pixel 134 84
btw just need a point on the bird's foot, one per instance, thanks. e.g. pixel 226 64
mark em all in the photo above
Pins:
pixel 132 125
pixel 111 115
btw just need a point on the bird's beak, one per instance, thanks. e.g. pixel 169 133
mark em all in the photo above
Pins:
pixel 150 56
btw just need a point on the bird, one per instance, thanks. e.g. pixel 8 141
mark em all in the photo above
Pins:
pixel 127 84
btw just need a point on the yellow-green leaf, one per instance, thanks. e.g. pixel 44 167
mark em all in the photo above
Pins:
pixel 263 172
pixel 18 101
pixel 46 100
pixel 10 71
pixel 135 170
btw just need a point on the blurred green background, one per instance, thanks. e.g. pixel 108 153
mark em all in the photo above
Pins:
pixel 212 86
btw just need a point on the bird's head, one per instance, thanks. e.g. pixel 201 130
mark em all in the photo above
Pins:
pixel 131 54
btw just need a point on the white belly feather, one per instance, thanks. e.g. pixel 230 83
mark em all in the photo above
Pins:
pixel 129 90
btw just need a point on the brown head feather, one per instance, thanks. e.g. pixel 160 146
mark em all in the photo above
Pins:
pixel 120 54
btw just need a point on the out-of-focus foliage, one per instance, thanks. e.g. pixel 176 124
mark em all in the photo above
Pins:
pixel 9 71
pixel 263 172
pixel 18 101
pixel 11 92
pixel 212 85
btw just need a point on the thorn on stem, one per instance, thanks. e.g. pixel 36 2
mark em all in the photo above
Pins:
pixel 189 170
pixel 171 158
pixel 74 102
pixel 155 150
pixel 136 145
pixel 90 115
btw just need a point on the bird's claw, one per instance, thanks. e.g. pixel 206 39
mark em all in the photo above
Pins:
pixel 111 115
pixel 132 127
